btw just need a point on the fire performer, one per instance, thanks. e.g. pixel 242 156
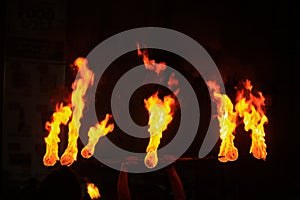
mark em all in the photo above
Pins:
pixel 124 190
pixel 61 183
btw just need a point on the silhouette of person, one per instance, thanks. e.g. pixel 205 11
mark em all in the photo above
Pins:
pixel 28 192
pixel 174 179
pixel 62 183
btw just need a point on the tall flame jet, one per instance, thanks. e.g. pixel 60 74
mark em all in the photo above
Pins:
pixel 61 115
pixel 79 87
pixel 250 107
pixel 227 122
pixel 160 115
pixel 71 115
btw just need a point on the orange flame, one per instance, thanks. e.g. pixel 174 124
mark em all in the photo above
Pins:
pixel 150 64
pixel 160 115
pixel 79 89
pixel 254 118
pixel 60 116
pixel 93 191
pixel 227 122
pixel 95 133
pixel 173 82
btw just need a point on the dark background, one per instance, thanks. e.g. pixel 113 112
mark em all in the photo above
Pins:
pixel 253 39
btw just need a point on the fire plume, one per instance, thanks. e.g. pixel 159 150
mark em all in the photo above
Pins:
pixel 60 116
pixel 160 115
pixel 93 191
pixel 95 133
pixel 250 107
pixel 79 89
pixel 227 122
pixel 151 64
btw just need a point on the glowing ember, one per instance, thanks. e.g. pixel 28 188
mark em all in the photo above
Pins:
pixel 60 116
pixel 160 115
pixel 79 89
pixel 93 191
pixel 250 107
pixel 227 122
pixel 150 64
pixel 95 133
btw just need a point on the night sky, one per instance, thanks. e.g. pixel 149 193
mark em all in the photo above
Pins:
pixel 247 40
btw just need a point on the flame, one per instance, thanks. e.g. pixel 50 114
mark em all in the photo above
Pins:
pixel 95 133
pixel 160 115
pixel 173 82
pixel 150 64
pixel 93 191
pixel 250 107
pixel 227 122
pixel 79 89
pixel 60 116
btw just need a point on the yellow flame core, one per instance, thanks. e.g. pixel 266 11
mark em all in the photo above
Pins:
pixel 250 107
pixel 226 117
pixel 60 116
pixel 160 115
pixel 95 133
pixel 75 110
pixel 93 191
pixel 79 89
pixel 227 122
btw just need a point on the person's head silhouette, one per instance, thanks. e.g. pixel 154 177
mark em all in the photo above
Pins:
pixel 62 183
